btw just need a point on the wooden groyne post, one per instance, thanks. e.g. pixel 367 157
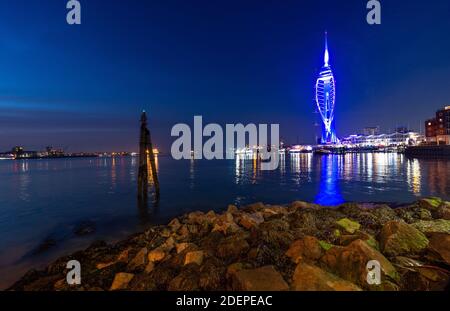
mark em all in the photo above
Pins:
pixel 146 155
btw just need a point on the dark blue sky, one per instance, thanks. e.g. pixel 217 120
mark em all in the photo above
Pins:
pixel 83 87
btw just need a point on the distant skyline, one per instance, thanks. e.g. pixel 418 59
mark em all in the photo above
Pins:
pixel 83 87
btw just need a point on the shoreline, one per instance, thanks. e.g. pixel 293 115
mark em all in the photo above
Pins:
pixel 298 246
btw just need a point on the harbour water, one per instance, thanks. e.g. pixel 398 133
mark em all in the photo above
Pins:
pixel 51 207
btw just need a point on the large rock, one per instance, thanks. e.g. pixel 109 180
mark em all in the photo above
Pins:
pixel 187 280
pixel 194 257
pixel 232 247
pixel 156 255
pixel 399 238
pixel 212 275
pixel 433 226
pixel 196 218
pixel 430 203
pixel 139 260
pixel 384 214
pixel 311 278
pixel 440 247
pixel 261 279
pixel 174 225
pixel 350 263
pixel 121 281
pixel 249 221
pixel 443 211
pixel 180 247
pixel 348 225
pixel 308 247
pixel 425 278
pixel 345 240
pixel 300 205
pixel 225 226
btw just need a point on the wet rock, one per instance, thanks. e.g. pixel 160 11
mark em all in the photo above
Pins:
pixel 45 283
pixel 276 233
pixel 406 215
pixel 304 222
pixel 425 278
pixel 406 262
pixel 156 255
pixel 194 257
pixel 433 226
pixel 261 279
pixel 307 248
pixel 235 267
pixel 443 211
pixel 138 262
pixel 384 214
pixel 345 240
pixel 184 232
pixel 142 282
pixel 232 209
pixel 311 278
pixel 225 227
pixel 398 238
pixel 350 263
pixel 212 275
pixel 255 207
pixel 300 205
pixel 232 247
pixel 423 214
pixel 121 281
pixel 103 265
pixel 211 216
pixel 168 244
pixel 325 245
pixel 430 203
pixel 348 225
pixel 187 280
pixel 174 225
pixel 60 285
pixel 124 255
pixel 249 221
pixel 180 247
pixel 149 268
pixel 196 218
pixel 440 247
pixel 84 228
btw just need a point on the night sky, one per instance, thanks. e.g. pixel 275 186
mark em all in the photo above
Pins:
pixel 83 87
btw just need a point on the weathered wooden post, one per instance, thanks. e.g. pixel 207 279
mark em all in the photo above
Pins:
pixel 143 168
pixel 146 154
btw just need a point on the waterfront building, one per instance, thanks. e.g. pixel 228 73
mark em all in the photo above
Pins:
pixel 19 153
pixel 384 140
pixel 325 95
pixel 437 130
pixel 371 130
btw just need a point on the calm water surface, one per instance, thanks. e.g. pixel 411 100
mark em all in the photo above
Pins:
pixel 47 199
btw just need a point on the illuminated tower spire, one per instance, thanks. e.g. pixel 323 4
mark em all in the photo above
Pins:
pixel 326 57
pixel 326 98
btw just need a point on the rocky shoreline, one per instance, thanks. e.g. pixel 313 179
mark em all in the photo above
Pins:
pixel 299 246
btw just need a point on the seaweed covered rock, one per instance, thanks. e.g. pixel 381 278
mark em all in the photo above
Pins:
pixel 261 279
pixel 308 247
pixel 350 263
pixel 433 226
pixel 311 278
pixel 398 238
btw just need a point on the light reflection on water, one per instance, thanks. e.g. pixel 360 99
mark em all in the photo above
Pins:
pixel 47 198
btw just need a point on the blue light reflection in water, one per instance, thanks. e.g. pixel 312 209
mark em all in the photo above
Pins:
pixel 329 193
